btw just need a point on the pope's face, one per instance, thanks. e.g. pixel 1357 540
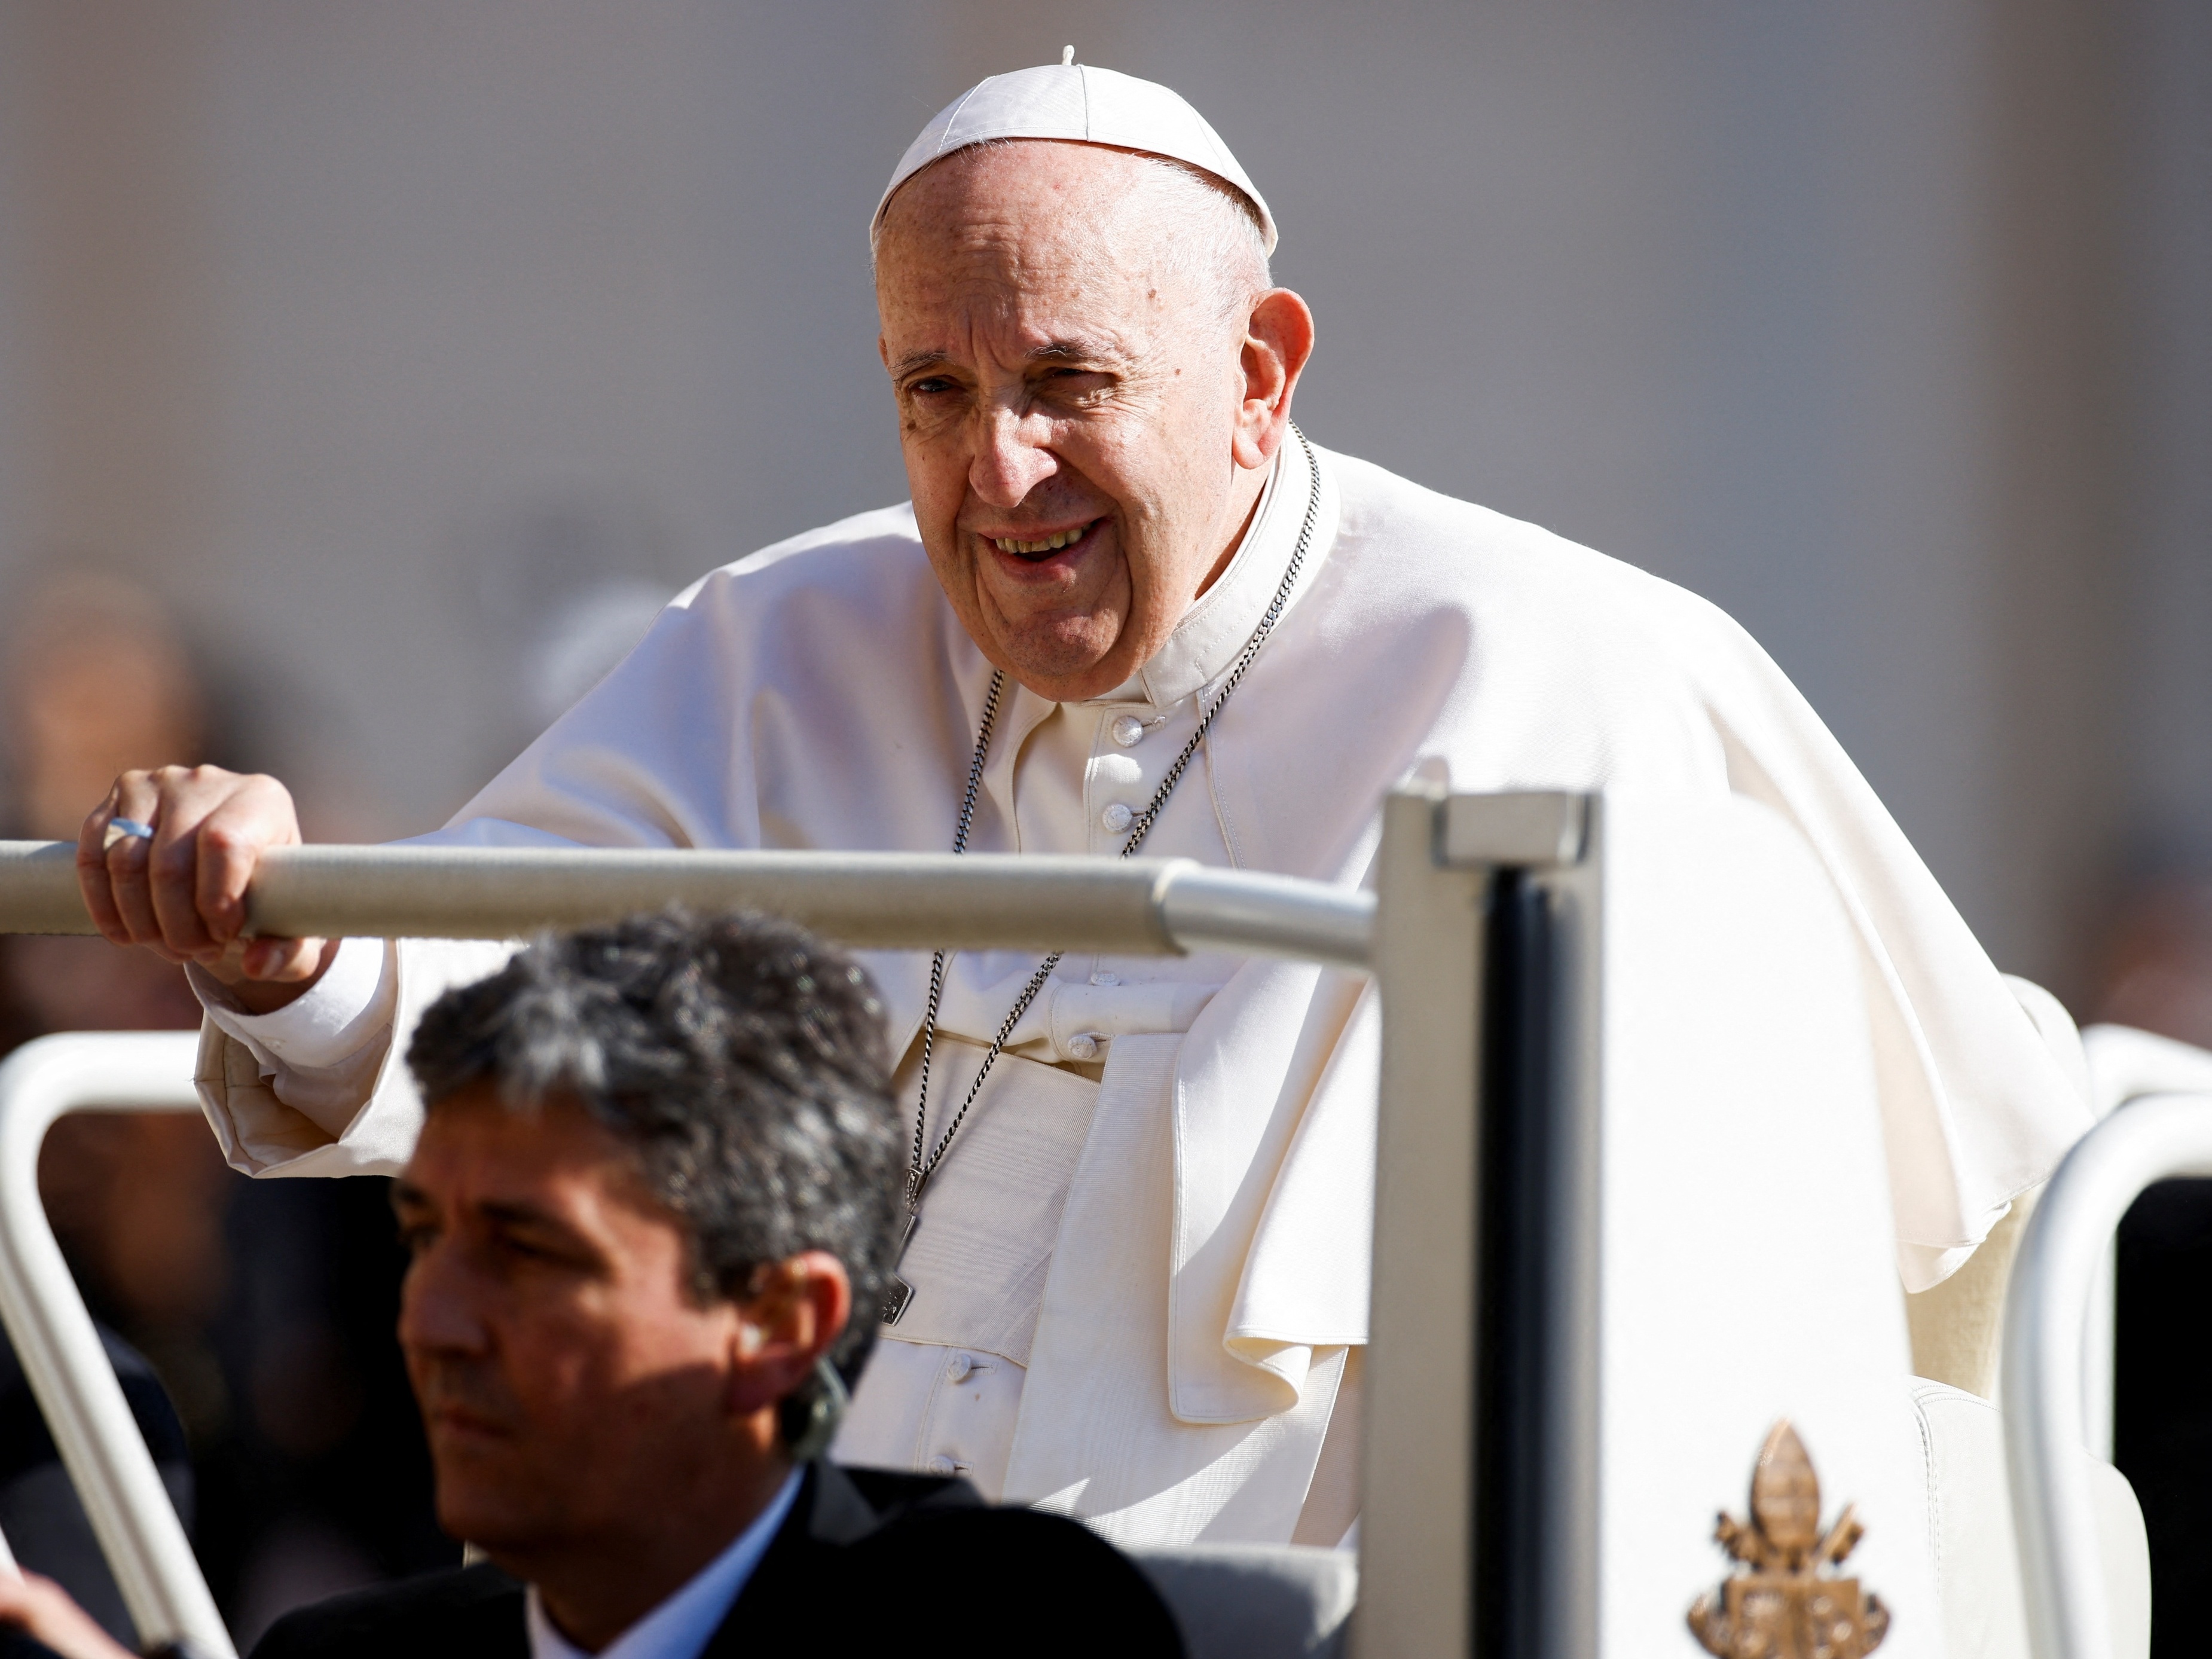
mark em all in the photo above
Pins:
pixel 1086 426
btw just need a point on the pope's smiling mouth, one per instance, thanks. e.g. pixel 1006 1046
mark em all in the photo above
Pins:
pixel 1044 547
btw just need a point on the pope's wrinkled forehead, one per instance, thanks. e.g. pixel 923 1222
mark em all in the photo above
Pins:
pixel 1037 242
pixel 1030 206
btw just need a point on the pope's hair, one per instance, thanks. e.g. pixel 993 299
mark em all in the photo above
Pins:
pixel 743 1063
pixel 1208 231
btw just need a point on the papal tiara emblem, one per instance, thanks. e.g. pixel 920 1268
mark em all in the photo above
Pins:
pixel 1784 1601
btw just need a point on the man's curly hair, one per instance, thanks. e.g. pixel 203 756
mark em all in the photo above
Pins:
pixel 741 1058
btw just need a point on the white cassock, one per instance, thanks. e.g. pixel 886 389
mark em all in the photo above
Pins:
pixel 1141 1274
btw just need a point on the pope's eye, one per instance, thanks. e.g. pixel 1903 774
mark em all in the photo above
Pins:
pixel 931 387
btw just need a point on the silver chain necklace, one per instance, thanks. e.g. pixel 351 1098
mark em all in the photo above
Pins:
pixel 919 1167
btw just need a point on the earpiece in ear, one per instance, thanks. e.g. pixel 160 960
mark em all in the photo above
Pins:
pixel 808 1418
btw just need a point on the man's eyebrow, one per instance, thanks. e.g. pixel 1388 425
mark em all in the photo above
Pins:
pixel 512 1213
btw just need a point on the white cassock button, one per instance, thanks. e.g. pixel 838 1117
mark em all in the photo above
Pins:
pixel 1083 1046
pixel 1128 731
pixel 1117 819
pixel 1102 977
pixel 941 1464
pixel 959 1371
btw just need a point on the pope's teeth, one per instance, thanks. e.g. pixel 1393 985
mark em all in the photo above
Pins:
pixel 1049 544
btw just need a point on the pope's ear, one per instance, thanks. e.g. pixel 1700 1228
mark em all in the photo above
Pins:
pixel 1278 341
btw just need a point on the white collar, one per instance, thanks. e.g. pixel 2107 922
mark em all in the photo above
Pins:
pixel 680 1627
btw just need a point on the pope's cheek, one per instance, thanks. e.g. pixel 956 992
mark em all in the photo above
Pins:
pixel 1112 585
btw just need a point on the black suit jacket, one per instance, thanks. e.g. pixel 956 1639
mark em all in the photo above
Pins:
pixel 867 1562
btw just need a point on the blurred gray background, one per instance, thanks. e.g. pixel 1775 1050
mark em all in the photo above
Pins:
pixel 411 351
pixel 370 369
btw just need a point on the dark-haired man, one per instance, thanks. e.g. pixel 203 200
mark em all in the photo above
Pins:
pixel 657 1172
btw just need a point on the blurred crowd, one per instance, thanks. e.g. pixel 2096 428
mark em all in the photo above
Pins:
pixel 250 1320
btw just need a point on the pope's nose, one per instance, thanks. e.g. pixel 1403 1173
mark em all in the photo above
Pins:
pixel 1010 461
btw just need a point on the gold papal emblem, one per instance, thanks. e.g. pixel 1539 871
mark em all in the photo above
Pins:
pixel 1786 1603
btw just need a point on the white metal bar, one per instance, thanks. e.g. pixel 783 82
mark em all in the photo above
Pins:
pixel 2124 1064
pixel 38 889
pixel 2046 1307
pixel 1253 915
pixel 53 1334
pixel 888 901
pixel 1417 1509
pixel 1458 1554
pixel 2100 1357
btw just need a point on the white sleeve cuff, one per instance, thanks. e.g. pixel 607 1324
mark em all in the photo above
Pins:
pixel 342 1013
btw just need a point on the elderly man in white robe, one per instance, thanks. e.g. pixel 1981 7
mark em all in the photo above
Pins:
pixel 1128 602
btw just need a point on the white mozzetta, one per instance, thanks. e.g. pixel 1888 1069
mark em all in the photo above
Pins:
pixel 1209 1260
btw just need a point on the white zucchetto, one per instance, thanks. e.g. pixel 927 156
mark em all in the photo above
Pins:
pixel 1081 105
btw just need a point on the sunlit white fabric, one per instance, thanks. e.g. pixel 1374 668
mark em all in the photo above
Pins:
pixel 1210 1263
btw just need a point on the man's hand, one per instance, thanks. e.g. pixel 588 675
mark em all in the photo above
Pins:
pixel 42 1610
pixel 182 894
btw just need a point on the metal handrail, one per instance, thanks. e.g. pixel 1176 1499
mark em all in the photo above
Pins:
pixel 882 900
pixel 1135 906
pixel 2149 1139
pixel 53 1334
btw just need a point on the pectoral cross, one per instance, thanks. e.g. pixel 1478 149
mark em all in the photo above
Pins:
pixel 901 1293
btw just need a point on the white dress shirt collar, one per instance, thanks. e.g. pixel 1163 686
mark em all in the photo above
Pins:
pixel 680 1627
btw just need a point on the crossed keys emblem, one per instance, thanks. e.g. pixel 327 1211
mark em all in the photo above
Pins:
pixel 1787 1604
